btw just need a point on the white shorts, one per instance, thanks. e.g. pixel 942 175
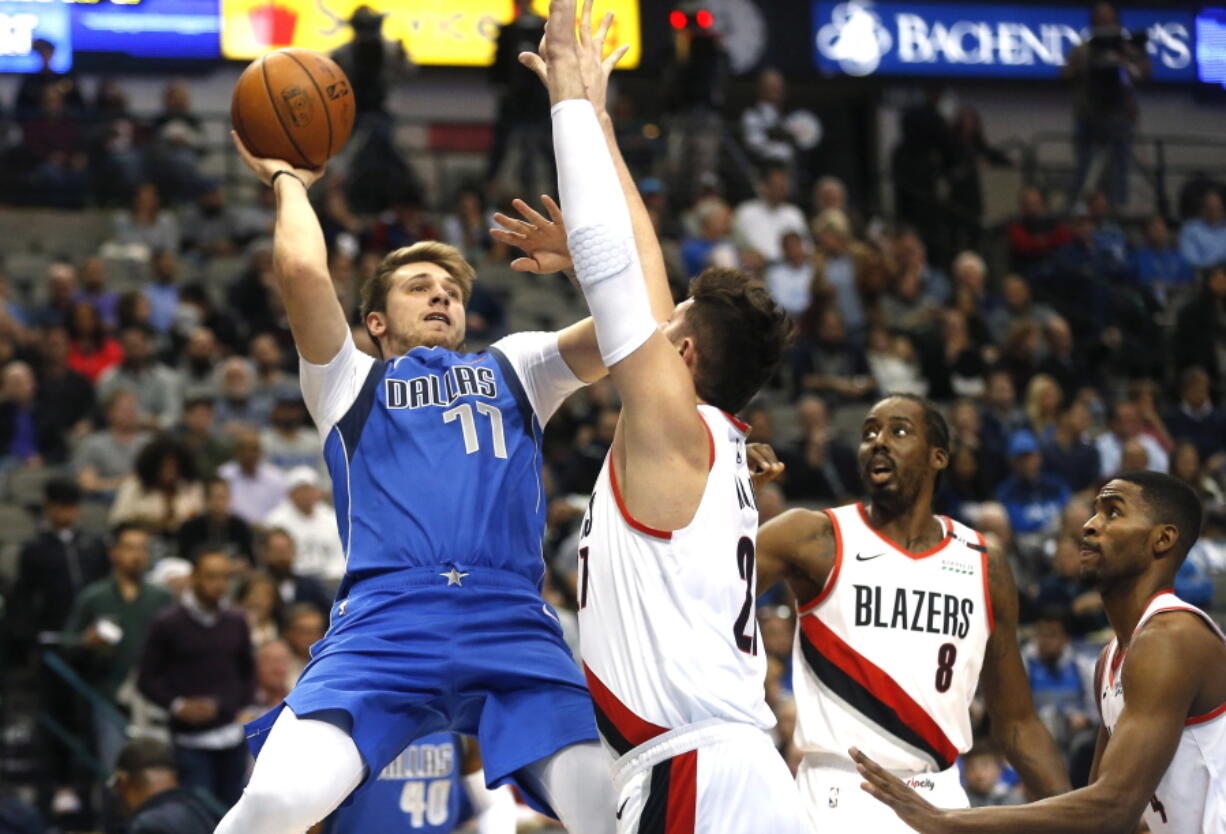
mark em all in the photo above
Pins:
pixel 714 777
pixel 834 801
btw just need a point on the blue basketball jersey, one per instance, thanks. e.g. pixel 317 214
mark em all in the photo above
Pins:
pixel 437 461
pixel 419 792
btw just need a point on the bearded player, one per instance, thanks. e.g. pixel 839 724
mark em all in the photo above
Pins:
pixel 1161 687
pixel 666 587
pixel 902 615
pixel 435 459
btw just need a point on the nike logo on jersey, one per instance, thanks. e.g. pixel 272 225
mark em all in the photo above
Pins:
pixel 860 557
pixel 624 803
pixel 458 381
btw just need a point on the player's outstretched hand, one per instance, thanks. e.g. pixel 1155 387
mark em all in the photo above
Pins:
pixel 594 67
pixel 265 168
pixel 888 788
pixel 764 466
pixel 542 239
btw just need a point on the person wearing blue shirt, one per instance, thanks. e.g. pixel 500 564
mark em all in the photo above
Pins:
pixel 1203 239
pixel 1033 499
pixel 435 459
pixel 1159 265
pixel 1067 454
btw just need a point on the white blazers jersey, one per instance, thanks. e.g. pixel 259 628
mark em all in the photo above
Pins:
pixel 887 657
pixel 1191 798
pixel 666 618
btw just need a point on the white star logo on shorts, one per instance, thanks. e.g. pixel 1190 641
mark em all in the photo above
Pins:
pixel 453 577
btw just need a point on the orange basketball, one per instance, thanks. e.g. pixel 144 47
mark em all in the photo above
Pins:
pixel 295 105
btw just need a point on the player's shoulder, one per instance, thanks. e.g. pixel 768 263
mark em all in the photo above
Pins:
pixel 1184 627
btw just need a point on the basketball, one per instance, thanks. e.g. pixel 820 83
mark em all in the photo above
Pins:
pixel 295 105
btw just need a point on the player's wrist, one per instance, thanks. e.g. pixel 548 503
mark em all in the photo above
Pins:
pixel 285 172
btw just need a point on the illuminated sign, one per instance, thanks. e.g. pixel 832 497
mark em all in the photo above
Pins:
pixel 149 28
pixel 860 37
pixel 23 23
pixel 448 32
pixel 1211 46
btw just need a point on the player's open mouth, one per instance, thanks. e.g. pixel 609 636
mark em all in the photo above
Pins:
pixel 1088 549
pixel 880 469
pixel 443 317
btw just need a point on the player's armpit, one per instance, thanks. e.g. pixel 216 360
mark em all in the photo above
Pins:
pixel 1016 727
pixel 798 546
pixel 580 351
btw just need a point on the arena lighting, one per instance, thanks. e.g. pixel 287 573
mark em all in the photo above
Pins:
pixel 704 19
pixel 677 19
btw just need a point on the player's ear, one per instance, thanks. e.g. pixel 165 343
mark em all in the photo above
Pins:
pixel 1163 540
pixel 938 458
pixel 688 349
pixel 376 323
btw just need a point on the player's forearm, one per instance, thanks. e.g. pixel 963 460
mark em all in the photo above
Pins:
pixel 299 250
pixel 1087 811
pixel 1031 750
pixel 648 245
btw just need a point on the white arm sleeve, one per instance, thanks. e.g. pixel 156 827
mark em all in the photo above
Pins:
pixel 538 363
pixel 329 390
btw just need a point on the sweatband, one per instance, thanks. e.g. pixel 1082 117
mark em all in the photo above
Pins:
pixel 600 236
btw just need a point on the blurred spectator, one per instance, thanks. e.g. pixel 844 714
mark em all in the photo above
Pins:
pixel 820 466
pixel 1017 306
pixel 1144 394
pixel 1126 425
pixel 1108 236
pixel 60 386
pixel 1034 235
pixel 31 91
pixel 918 165
pixel 1064 589
pixel 104 458
pixel 773 138
pixel 1062 697
pixel 1186 466
pixel 1159 265
pixel 31 431
pixel 1202 240
pixel 147 223
pixel 52 568
pixel 1200 330
pixel 588 453
pixel 1000 416
pixel 1033 499
pixel 289 441
pixel 1043 406
pixel 969 154
pixel 55 143
pixel 1194 418
pixel 147 784
pixel 957 369
pixel 304 627
pixel 790 279
pixel 714 245
pixel 57 305
pixel 272 382
pixel 199 364
pixel 240 407
pixel 91 350
pixel 106 629
pixel 164 491
pixel 196 432
pixel 523 105
pixel 467 227
pixel 163 291
pixel 273 668
pixel 695 90
pixel 198 665
pixel 293 587
pixel 261 604
pixel 256 485
pixel 210 225
pixel 828 364
pixel 761 223
pixel 839 271
pixel 982 771
pixel 158 389
pixel 894 364
pixel 178 146
pixel 911 255
pixel 306 516
pixel 1209 552
pixel 1063 363
pixel 217 529
pixel 117 147
pixel 1067 451
pixel 93 289
pixel 1105 70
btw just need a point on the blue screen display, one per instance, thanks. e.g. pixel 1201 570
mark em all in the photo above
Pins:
pixel 150 28
pixel 23 23
pixel 861 37
pixel 1211 46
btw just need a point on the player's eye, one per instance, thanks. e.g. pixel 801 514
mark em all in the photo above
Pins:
pixel 900 431
pixel 1112 513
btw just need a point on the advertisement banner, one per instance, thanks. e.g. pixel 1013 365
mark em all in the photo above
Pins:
pixel 21 24
pixel 445 32
pixel 863 38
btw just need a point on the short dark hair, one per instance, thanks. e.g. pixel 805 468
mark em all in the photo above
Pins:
pixel 1056 613
pixel 935 425
pixel 141 754
pixel 62 492
pixel 741 334
pixel 1171 501
pixel 118 531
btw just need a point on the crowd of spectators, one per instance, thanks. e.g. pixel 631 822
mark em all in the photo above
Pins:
pixel 187 547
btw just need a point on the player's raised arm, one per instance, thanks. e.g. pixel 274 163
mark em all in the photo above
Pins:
pixel 300 257
pixel 660 423
pixel 1169 658
pixel 1016 728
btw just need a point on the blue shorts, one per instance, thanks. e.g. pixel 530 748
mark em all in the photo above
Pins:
pixel 407 655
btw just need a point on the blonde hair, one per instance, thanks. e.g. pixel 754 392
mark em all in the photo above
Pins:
pixel 375 290
pixel 1034 391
